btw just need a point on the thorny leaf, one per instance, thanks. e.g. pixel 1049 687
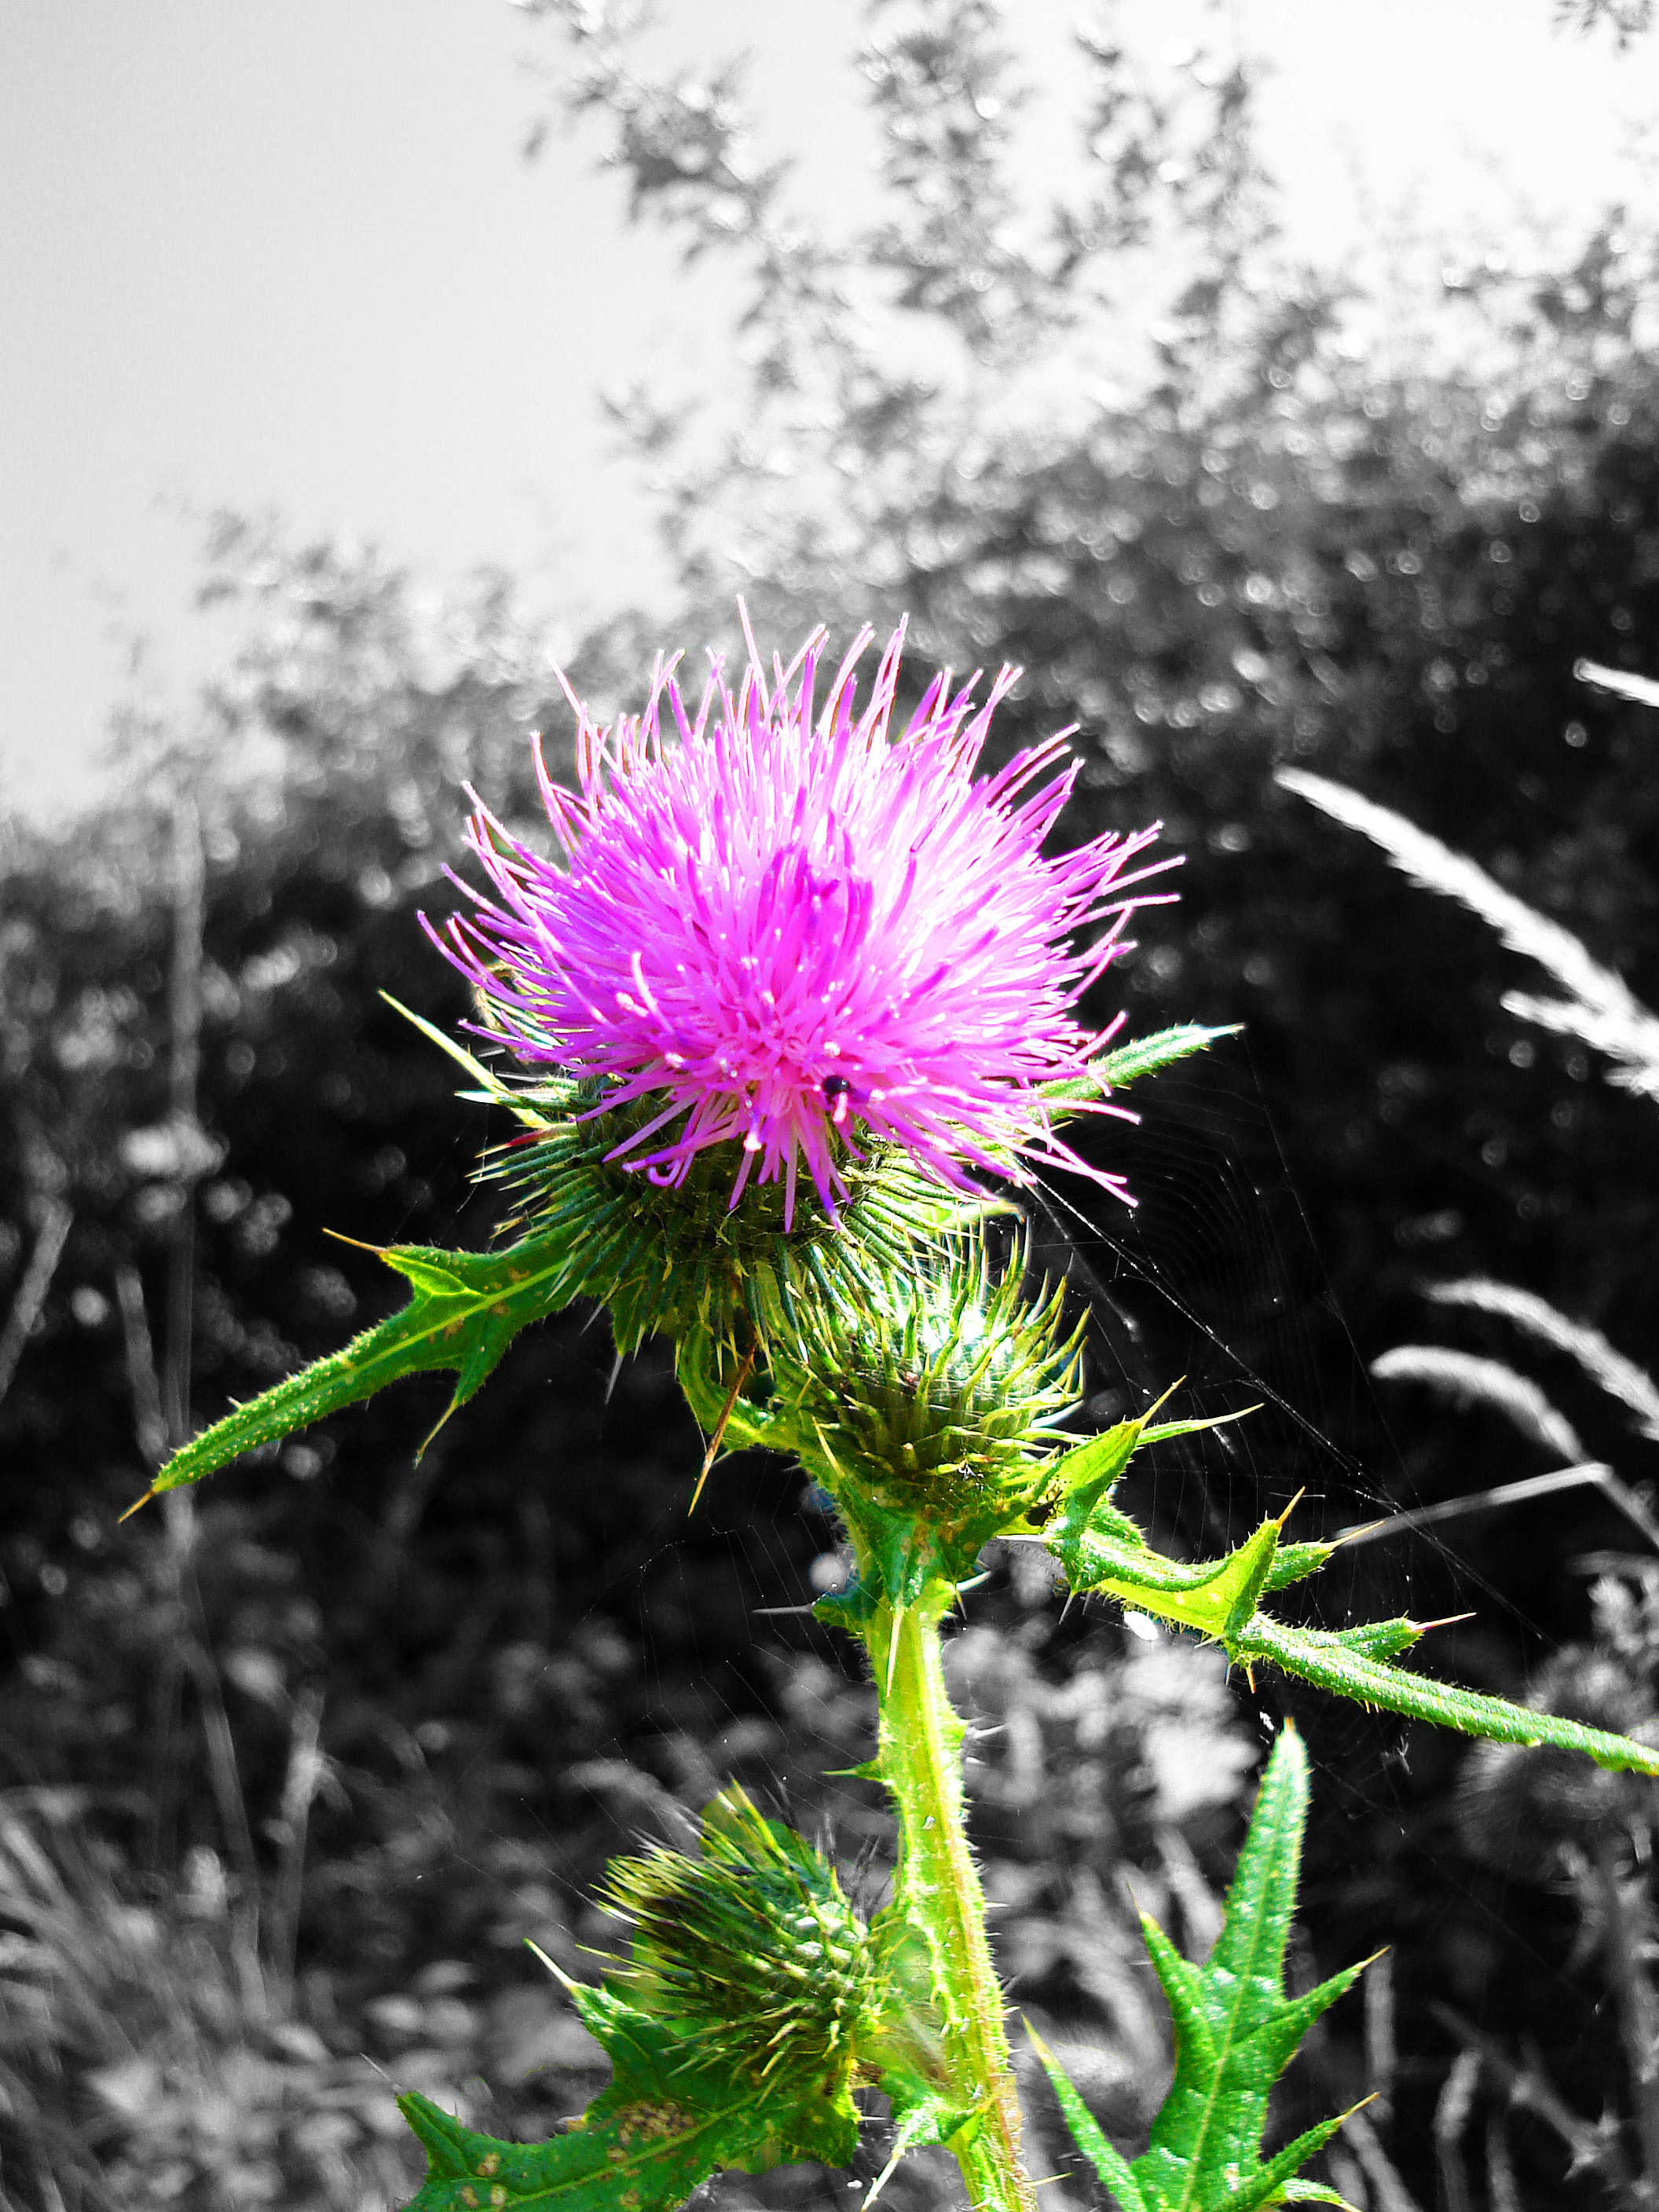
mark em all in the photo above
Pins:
pixel 1235 2033
pixel 1140 1056
pixel 671 2117
pixel 465 1309
pixel 1101 1549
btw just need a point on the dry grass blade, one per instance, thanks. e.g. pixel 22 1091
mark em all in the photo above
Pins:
pixel 1609 1033
pixel 1591 1475
pixel 32 1291
pixel 1621 1378
pixel 132 2071
pixel 1468 1380
pixel 1641 689
pixel 1600 1008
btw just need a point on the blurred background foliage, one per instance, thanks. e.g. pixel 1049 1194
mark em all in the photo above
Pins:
pixel 291 1769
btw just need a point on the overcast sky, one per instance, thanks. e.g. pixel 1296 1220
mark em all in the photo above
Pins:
pixel 286 253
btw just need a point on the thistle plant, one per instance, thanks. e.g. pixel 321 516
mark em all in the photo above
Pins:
pixel 785 1025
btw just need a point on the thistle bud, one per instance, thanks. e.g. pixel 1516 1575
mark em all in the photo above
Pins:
pixel 752 1951
pixel 928 1411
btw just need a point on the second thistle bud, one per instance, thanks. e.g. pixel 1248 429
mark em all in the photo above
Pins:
pixel 754 1951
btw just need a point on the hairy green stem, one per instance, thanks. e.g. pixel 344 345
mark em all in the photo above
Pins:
pixel 938 1887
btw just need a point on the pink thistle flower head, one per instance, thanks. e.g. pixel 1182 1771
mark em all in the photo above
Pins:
pixel 795 934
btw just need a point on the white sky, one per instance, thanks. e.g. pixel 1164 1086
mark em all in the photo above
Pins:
pixel 285 253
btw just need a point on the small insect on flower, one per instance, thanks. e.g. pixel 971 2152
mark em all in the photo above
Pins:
pixel 800 938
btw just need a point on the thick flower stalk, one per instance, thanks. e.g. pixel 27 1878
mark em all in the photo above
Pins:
pixel 788 933
pixel 928 1413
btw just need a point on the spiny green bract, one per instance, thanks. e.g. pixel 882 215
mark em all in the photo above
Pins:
pixel 751 1952
pixel 662 1257
pixel 670 1257
pixel 928 1412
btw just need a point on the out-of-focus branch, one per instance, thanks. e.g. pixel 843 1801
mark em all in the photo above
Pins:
pixel 1451 2117
pixel 1626 19
pixel 143 1379
pixel 943 89
pixel 306 1772
pixel 1592 2146
pixel 1388 2192
pixel 30 1293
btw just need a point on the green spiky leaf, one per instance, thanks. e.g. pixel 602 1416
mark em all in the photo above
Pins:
pixel 1101 1549
pixel 1090 2138
pixel 465 1308
pixel 1140 1056
pixel 708 1371
pixel 671 2117
pixel 1358 1664
pixel 1090 1472
pixel 1235 2033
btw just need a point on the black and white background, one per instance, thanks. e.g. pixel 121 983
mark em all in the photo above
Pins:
pixel 1276 384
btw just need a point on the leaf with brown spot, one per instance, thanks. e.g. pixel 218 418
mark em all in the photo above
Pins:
pixel 671 2117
